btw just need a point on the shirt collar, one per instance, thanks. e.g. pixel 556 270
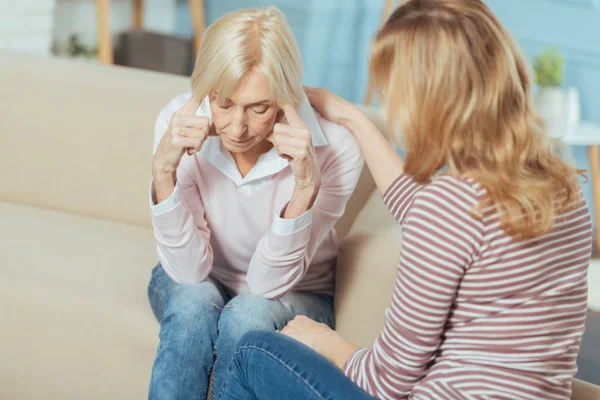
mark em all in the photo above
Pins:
pixel 268 163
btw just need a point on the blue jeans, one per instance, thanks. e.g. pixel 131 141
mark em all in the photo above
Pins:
pixel 201 322
pixel 272 366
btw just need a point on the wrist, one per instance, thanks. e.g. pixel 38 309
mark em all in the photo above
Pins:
pixel 163 175
pixel 335 348
pixel 302 200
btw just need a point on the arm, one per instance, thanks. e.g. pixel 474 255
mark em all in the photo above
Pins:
pixel 180 228
pixel 284 254
pixel 440 240
pixel 383 161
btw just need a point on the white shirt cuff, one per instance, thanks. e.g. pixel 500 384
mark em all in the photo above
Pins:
pixel 168 204
pixel 283 226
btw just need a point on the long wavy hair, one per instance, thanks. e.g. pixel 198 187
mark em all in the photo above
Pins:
pixel 459 88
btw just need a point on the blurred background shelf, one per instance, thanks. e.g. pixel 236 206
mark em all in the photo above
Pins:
pixel 105 44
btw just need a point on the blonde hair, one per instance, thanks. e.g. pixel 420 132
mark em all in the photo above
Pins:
pixel 459 88
pixel 246 40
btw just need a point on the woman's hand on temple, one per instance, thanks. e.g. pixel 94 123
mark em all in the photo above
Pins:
pixel 331 106
pixel 320 338
pixel 186 133
pixel 293 141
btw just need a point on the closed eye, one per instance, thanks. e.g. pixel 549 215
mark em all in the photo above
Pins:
pixel 261 109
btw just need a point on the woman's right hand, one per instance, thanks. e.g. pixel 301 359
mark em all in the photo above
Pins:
pixel 331 106
pixel 186 133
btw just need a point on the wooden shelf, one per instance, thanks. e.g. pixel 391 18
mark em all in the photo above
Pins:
pixel 105 47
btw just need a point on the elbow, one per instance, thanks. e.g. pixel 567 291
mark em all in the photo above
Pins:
pixel 188 273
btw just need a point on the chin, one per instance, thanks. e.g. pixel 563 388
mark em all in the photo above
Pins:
pixel 235 148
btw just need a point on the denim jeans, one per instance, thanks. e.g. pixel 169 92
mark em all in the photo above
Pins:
pixel 201 322
pixel 272 366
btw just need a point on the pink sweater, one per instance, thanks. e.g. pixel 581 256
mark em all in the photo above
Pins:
pixel 475 314
pixel 218 224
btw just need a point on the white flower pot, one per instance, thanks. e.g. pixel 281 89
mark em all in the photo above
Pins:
pixel 551 104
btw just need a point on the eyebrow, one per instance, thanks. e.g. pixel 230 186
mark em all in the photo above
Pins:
pixel 258 103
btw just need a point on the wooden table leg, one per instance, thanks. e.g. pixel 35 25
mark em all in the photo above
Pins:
pixel 138 14
pixel 198 21
pixel 595 167
pixel 105 51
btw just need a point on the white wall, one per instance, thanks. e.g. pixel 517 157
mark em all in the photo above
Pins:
pixel 27 25
pixel 79 16
pixel 32 26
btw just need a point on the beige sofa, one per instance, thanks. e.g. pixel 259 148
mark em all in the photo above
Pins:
pixel 76 242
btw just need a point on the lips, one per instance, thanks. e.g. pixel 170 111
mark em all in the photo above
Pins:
pixel 238 142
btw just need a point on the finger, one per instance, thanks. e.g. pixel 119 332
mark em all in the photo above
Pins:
pixel 315 97
pixel 193 132
pixel 292 116
pixel 287 130
pixel 291 153
pixel 191 106
pixel 193 122
pixel 291 141
pixel 183 142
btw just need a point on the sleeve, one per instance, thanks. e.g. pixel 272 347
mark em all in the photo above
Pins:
pixel 180 227
pixel 440 239
pixel 284 254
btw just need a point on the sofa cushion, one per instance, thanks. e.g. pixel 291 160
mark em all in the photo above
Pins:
pixel 366 273
pixel 84 127
pixel 77 324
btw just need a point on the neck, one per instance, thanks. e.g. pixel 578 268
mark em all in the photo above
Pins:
pixel 247 160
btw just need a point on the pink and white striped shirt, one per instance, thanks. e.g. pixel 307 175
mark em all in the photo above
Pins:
pixel 474 313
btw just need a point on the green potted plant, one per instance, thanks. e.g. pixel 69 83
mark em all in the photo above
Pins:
pixel 77 49
pixel 558 107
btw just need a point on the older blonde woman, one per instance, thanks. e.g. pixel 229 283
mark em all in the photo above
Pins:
pixel 248 182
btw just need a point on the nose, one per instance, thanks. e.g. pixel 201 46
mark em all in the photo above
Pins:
pixel 238 124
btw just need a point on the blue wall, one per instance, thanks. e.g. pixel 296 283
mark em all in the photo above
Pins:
pixel 335 36
pixel 573 27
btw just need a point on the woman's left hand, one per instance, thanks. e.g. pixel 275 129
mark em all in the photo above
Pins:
pixel 311 333
pixel 320 338
pixel 293 141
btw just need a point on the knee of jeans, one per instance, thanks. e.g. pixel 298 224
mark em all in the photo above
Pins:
pixel 248 312
pixel 191 304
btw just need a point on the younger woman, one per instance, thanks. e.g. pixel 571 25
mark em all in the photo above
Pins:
pixel 490 296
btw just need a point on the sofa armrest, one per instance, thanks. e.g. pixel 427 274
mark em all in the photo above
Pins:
pixel 366 272
pixel 584 391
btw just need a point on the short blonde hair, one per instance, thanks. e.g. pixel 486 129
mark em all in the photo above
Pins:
pixel 246 40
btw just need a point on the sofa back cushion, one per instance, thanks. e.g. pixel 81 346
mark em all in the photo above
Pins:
pixel 78 136
pixel 366 273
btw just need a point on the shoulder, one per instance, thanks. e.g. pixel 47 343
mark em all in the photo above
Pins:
pixel 341 143
pixel 450 191
pixel 450 202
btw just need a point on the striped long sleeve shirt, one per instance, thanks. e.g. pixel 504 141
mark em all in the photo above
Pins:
pixel 476 314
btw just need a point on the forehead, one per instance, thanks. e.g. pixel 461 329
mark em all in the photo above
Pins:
pixel 252 88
